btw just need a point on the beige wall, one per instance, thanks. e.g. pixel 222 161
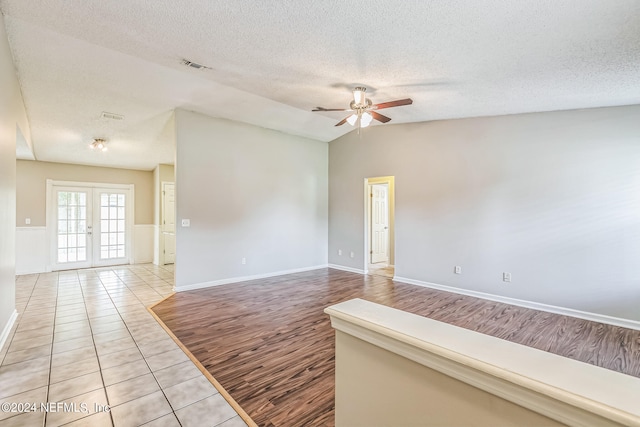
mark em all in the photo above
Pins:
pixel 31 187
pixel 375 387
pixel 553 198
pixel 13 119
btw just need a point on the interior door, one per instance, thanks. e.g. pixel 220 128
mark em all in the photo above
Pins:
pixel 73 228
pixel 379 223
pixel 169 222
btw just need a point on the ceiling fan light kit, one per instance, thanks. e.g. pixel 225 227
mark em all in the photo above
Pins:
pixel 363 110
pixel 364 118
pixel 99 144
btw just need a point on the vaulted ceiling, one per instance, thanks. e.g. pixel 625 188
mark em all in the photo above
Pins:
pixel 271 62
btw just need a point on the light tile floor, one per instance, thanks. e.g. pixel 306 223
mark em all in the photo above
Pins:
pixel 85 337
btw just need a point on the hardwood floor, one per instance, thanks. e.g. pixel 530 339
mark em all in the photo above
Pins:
pixel 269 344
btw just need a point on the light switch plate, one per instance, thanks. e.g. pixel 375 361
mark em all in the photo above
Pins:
pixel 186 222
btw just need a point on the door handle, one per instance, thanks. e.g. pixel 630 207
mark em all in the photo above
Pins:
pixel 386 228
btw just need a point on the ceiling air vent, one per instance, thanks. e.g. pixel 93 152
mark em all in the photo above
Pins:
pixel 111 116
pixel 193 64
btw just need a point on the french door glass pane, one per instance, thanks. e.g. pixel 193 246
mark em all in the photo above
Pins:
pixel 72 220
pixel 112 211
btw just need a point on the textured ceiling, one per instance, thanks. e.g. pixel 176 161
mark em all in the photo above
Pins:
pixel 272 62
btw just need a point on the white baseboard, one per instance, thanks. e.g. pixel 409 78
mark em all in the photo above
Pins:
pixel 594 317
pixel 7 329
pixel 244 278
pixel 345 268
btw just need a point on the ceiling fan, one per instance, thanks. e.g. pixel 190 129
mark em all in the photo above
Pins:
pixel 364 111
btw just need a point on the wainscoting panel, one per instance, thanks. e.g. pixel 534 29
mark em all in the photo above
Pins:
pixel 143 243
pixel 32 253
pixel 31 250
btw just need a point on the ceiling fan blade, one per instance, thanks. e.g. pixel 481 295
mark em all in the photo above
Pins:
pixel 343 121
pixel 330 109
pixel 397 103
pixel 379 117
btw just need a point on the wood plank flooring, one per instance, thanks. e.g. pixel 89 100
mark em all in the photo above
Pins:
pixel 270 345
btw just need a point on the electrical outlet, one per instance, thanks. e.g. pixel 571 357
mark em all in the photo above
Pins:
pixel 457 269
pixel 339 251
pixel 353 255
pixel 506 277
pixel 244 260
pixel 27 221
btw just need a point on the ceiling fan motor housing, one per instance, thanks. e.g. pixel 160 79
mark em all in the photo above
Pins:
pixel 363 106
pixel 360 101
pixel 364 110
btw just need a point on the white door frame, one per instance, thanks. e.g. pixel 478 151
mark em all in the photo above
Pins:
pixel 390 181
pixel 51 207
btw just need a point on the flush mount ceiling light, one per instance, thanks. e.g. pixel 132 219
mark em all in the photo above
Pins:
pixel 98 144
pixel 364 110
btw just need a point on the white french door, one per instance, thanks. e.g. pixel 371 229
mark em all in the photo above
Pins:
pixel 73 226
pixel 91 226
pixel 111 231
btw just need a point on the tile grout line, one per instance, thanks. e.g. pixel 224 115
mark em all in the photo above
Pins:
pixel 221 390
pixel 11 341
pixel 53 336
pixel 59 286
pixel 198 365
pixel 138 347
pixel 17 324
pixel 145 358
pixel 104 387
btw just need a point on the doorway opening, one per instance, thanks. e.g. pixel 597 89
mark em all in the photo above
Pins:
pixel 379 229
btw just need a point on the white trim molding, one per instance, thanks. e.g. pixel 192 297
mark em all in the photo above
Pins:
pixel 594 317
pixel 7 329
pixel 244 278
pixel 345 268
pixel 566 390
